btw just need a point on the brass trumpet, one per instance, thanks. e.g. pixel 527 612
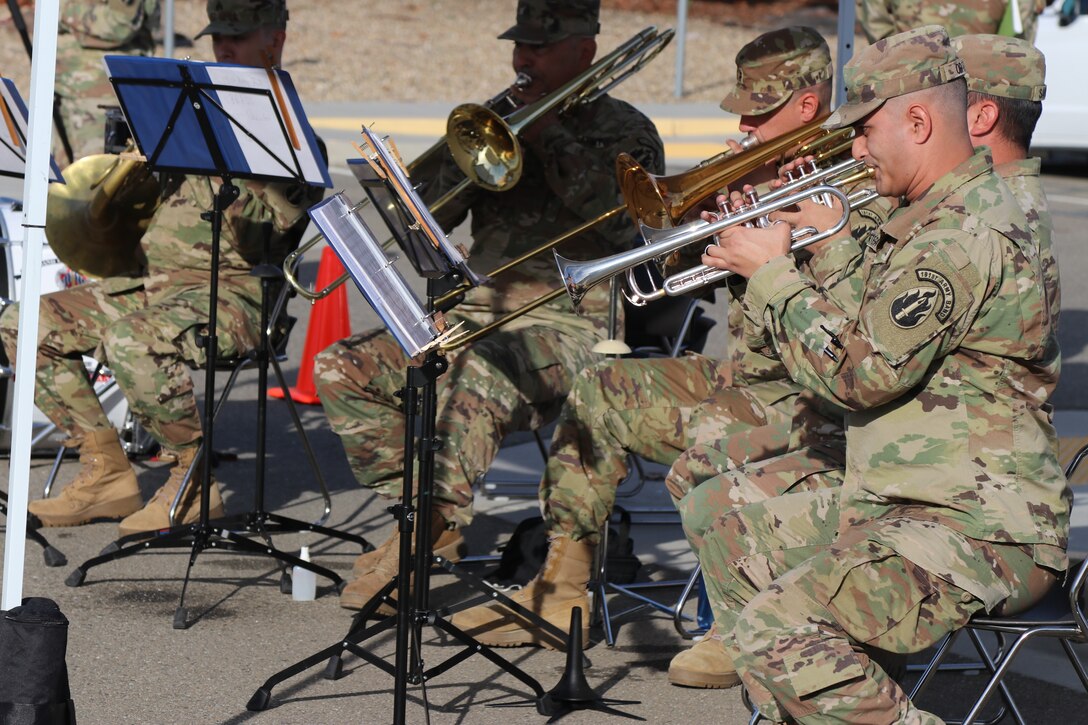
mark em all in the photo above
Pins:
pixel 580 277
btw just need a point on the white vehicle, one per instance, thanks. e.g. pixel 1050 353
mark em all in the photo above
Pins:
pixel 1064 123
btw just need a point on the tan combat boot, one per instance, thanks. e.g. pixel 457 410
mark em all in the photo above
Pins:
pixel 449 544
pixel 156 514
pixel 557 589
pixel 105 487
pixel 382 564
pixel 705 664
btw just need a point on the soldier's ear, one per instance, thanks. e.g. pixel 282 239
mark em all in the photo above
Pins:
pixel 982 118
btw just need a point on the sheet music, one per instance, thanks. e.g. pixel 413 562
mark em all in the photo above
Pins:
pixel 252 111
pixel 380 282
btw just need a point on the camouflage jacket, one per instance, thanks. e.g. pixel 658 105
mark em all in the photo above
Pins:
pixel 1022 177
pixel 90 27
pixel 753 359
pixel 946 370
pixel 177 244
pixel 881 18
pixel 568 178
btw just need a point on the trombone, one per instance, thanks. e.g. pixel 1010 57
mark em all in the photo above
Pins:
pixel 485 147
pixel 580 277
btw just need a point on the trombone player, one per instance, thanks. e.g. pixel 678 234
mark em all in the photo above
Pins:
pixel 149 326
pixel 647 407
pixel 515 378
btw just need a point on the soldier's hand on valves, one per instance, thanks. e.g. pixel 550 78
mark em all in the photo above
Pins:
pixel 745 249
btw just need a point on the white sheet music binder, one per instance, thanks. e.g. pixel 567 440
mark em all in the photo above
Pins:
pixel 383 286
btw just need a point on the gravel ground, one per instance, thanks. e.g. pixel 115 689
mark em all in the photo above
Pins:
pixel 374 50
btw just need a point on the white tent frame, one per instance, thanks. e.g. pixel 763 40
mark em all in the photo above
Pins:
pixel 35 187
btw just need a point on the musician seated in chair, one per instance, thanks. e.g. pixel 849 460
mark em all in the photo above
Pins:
pixel 647 407
pixel 517 377
pixel 148 328
pixel 952 501
pixel 1005 89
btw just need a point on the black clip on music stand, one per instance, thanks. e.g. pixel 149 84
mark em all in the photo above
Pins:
pixel 199 137
pixel 420 404
pixel 13 163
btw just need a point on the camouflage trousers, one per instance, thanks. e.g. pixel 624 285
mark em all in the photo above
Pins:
pixel 149 341
pixel 616 407
pixel 771 426
pixel 811 592
pixel 509 381
pixel 657 409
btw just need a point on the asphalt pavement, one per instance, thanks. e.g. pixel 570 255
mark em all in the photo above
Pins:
pixel 128 664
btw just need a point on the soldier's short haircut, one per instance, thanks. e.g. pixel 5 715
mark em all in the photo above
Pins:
pixel 1016 117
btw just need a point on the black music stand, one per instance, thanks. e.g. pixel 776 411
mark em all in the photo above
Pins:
pixel 419 336
pixel 13 130
pixel 229 122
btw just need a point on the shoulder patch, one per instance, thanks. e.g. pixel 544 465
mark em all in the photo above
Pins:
pixel 922 303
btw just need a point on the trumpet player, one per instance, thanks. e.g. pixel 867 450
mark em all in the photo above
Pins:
pixel 515 378
pixel 150 327
pixel 646 406
pixel 1005 79
pixel 952 501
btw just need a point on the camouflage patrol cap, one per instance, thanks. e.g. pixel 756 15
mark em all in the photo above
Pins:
pixel 546 21
pixel 1002 66
pixel 773 66
pixel 237 17
pixel 895 66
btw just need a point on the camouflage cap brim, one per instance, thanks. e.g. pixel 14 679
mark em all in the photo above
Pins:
pixel 850 113
pixel 747 103
pixel 531 36
pixel 222 27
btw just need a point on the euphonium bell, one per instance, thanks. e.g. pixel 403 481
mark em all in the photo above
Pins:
pixel 95 220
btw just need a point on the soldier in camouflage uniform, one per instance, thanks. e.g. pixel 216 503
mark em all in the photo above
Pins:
pixel 953 501
pixel 148 329
pixel 644 406
pixel 515 378
pixel 1006 87
pixel 88 30
pixel 881 18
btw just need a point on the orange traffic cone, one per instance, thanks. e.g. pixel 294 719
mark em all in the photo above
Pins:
pixel 329 322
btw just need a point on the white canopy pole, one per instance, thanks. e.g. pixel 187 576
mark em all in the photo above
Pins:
pixel 681 45
pixel 847 15
pixel 168 29
pixel 35 187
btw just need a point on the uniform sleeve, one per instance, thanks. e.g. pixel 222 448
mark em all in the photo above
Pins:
pixel 270 212
pixel 577 173
pixel 916 308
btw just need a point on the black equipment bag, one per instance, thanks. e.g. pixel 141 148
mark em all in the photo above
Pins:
pixel 523 554
pixel 33 673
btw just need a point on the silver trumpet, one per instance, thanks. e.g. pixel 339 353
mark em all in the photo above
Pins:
pixel 821 185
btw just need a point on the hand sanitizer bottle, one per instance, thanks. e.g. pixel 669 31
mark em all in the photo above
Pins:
pixel 303 581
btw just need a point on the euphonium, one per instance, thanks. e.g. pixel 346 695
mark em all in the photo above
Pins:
pixel 95 220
